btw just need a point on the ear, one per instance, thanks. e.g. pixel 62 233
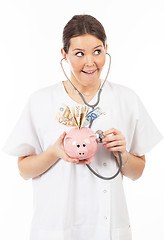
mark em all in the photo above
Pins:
pixel 67 140
pixel 106 47
pixel 63 53
pixel 92 137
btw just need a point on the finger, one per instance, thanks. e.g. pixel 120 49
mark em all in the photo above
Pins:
pixel 69 159
pixel 114 144
pixel 84 162
pixel 111 131
pixel 117 149
pixel 72 160
pixel 62 136
pixel 112 138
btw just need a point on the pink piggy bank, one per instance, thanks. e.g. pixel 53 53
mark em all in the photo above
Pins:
pixel 81 143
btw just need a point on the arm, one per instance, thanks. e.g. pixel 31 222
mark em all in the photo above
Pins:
pixel 35 165
pixel 133 166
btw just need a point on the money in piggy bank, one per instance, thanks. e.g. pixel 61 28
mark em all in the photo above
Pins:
pixel 81 143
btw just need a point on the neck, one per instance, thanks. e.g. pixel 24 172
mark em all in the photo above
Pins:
pixel 88 91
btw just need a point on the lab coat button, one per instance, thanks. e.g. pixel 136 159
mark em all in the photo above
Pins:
pixel 105 164
pixel 105 191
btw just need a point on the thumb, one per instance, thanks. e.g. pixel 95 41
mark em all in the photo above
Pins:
pixel 62 136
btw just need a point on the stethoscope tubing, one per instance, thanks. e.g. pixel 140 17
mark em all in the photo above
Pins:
pixel 93 106
pixel 108 178
pixel 101 87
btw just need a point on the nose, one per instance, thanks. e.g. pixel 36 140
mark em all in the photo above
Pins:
pixel 89 61
pixel 81 153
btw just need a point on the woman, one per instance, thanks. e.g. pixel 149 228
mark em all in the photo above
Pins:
pixel 69 201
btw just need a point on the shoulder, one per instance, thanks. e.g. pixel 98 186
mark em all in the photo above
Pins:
pixel 44 94
pixel 118 88
pixel 124 98
pixel 122 93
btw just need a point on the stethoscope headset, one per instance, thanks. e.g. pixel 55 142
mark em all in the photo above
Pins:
pixel 98 132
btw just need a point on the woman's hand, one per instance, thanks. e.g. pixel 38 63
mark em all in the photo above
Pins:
pixel 57 150
pixel 114 141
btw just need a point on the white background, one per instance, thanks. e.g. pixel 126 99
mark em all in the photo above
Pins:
pixel 30 43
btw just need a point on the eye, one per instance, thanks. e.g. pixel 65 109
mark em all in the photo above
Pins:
pixel 79 54
pixel 97 52
pixel 78 145
pixel 84 145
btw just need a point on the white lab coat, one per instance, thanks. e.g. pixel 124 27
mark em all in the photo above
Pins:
pixel 70 203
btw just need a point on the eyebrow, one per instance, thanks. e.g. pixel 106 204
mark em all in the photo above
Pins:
pixel 98 46
pixel 80 49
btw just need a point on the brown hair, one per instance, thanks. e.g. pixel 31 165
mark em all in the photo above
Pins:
pixel 80 25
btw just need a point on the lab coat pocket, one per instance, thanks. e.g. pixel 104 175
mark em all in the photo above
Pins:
pixel 122 233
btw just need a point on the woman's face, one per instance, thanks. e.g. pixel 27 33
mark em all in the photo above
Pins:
pixel 86 56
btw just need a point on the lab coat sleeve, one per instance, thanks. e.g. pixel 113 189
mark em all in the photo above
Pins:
pixel 146 135
pixel 24 140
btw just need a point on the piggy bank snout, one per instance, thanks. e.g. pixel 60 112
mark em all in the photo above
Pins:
pixel 82 150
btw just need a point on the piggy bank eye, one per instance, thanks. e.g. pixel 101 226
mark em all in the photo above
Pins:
pixel 84 145
pixel 78 145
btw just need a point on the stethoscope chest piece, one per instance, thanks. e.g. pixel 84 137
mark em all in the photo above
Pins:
pixel 100 136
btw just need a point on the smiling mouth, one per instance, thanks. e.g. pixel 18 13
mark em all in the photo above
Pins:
pixel 89 72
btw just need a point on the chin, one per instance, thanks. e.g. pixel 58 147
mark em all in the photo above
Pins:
pixel 86 79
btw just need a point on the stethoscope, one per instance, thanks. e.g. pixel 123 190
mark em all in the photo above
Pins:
pixel 99 132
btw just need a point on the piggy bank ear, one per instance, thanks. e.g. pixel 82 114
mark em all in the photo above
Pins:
pixel 92 137
pixel 67 140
